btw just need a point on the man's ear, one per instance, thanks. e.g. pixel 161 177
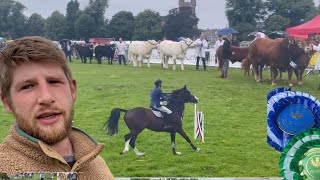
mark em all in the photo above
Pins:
pixel 73 87
pixel 6 103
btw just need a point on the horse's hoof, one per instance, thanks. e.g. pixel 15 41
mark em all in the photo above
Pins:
pixel 124 152
pixel 140 154
pixel 290 85
pixel 176 153
pixel 198 150
pixel 273 84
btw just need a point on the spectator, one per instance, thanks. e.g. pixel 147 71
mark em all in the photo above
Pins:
pixel 226 55
pixel 235 41
pixel 121 50
pixel 201 45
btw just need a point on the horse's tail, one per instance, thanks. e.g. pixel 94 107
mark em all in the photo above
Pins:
pixel 111 125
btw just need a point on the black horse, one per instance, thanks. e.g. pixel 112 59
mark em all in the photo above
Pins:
pixel 137 119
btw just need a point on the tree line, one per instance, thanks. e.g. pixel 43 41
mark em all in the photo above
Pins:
pixel 274 15
pixel 90 22
pixel 243 15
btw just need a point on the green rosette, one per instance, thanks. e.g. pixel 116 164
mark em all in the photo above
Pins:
pixel 298 156
pixel 309 165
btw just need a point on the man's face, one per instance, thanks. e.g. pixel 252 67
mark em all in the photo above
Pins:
pixel 42 101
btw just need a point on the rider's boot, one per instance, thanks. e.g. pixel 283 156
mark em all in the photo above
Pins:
pixel 167 121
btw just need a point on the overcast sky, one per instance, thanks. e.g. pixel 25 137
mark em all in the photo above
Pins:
pixel 211 13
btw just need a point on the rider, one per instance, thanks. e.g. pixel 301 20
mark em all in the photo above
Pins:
pixel 156 97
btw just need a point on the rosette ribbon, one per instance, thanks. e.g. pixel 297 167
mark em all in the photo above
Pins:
pixel 289 113
pixel 301 156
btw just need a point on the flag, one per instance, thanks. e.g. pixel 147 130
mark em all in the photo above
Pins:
pixel 198 124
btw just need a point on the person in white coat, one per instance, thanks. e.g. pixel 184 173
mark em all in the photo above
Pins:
pixel 201 45
pixel 218 43
pixel 317 48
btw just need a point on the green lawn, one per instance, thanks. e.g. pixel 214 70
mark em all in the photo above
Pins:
pixel 234 116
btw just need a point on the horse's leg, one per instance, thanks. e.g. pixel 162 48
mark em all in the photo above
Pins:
pixel 133 144
pixel 127 139
pixel 173 143
pixel 130 139
pixel 184 135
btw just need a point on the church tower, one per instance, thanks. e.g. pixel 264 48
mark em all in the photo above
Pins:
pixel 190 3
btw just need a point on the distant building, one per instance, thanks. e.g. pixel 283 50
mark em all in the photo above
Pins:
pixel 210 35
pixel 190 3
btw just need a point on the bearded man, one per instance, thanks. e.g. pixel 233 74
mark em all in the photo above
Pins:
pixel 37 88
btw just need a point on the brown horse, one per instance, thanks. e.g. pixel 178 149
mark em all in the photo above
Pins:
pixel 275 53
pixel 138 119
pixel 238 56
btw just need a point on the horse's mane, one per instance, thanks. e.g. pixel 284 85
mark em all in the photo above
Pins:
pixel 175 93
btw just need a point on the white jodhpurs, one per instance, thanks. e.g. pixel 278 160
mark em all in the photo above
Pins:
pixel 164 109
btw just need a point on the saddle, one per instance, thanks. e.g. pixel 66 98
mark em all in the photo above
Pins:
pixel 156 112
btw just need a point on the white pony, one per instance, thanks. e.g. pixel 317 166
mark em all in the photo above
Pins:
pixel 175 50
pixel 139 50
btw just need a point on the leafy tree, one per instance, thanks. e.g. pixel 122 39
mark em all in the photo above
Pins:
pixel 181 23
pixel 17 21
pixel 35 25
pixel 96 10
pixel 276 22
pixel 298 11
pixel 244 29
pixel 12 20
pixel 122 25
pixel 245 11
pixel 85 26
pixel 71 16
pixel 55 26
pixel 5 10
pixel 148 25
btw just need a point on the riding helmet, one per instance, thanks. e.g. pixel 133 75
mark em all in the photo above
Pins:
pixel 158 82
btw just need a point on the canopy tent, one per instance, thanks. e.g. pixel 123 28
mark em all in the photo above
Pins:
pixel 310 27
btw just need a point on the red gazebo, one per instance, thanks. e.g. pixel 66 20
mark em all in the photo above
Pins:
pixel 303 30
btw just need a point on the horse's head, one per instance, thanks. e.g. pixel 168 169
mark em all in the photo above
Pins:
pixel 184 95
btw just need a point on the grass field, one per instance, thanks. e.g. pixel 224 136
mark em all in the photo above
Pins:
pixel 234 114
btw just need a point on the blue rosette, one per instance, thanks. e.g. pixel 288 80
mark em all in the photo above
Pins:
pixel 289 113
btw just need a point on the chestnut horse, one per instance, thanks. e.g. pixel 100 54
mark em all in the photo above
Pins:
pixel 138 119
pixel 275 53
pixel 238 56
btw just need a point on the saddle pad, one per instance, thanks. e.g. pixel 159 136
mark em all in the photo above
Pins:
pixel 157 113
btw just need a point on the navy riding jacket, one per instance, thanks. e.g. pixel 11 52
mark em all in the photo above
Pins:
pixel 156 97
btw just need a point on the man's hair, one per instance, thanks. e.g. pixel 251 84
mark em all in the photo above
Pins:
pixel 32 49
